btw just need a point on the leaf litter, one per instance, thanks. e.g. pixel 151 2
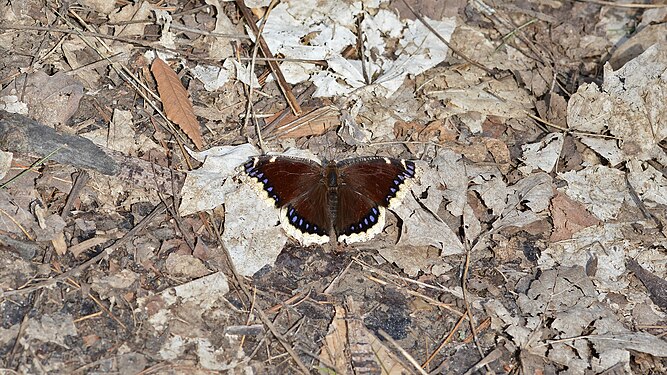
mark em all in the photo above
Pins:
pixel 533 240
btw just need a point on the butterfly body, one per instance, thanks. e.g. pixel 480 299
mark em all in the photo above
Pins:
pixel 344 199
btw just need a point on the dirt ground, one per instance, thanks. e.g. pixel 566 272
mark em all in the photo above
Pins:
pixel 531 241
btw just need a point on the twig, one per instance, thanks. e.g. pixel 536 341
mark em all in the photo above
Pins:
pixel 466 301
pixel 273 65
pixel 449 336
pixel 407 280
pixel 566 130
pixel 207 33
pixel 494 355
pixel 11 218
pixel 405 354
pixel 334 281
pixel 306 94
pixel 639 203
pixel 31 168
pixel 104 308
pixel 620 5
pixel 74 192
pixel 512 33
pixel 128 77
pixel 89 34
pixel 251 71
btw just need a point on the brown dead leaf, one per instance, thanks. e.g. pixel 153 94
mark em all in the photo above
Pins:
pixel 90 340
pixel 569 217
pixel 177 105
pixel 86 245
pixel 475 151
pixel 313 121
pixel 442 129
pixel 500 153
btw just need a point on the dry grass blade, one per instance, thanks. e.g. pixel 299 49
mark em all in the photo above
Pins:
pixel 177 105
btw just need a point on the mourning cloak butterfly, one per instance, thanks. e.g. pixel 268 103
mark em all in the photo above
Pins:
pixel 345 198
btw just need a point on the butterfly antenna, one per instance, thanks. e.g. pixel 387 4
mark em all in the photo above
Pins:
pixel 260 140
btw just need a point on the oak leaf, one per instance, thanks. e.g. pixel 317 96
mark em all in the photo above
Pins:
pixel 175 101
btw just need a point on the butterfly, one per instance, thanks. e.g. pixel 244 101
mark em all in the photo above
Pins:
pixel 345 198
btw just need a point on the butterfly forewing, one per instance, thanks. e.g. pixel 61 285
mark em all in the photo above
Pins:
pixel 365 186
pixel 379 179
pixel 296 186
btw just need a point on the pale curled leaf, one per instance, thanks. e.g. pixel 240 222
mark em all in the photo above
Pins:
pixel 177 105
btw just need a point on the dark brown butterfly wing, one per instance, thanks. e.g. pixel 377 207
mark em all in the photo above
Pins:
pixel 365 187
pixel 298 188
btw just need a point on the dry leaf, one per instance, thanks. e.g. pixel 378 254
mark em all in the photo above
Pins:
pixel 436 131
pixel 177 105
pixel 569 217
pixel 334 352
pixel 314 121
pixel 59 243
pixel 353 349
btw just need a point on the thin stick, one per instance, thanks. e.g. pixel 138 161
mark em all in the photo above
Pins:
pixel 79 184
pixel 619 5
pixel 445 341
pixel 128 77
pixel 566 130
pixel 251 71
pixel 407 355
pixel 273 65
pixel 31 168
